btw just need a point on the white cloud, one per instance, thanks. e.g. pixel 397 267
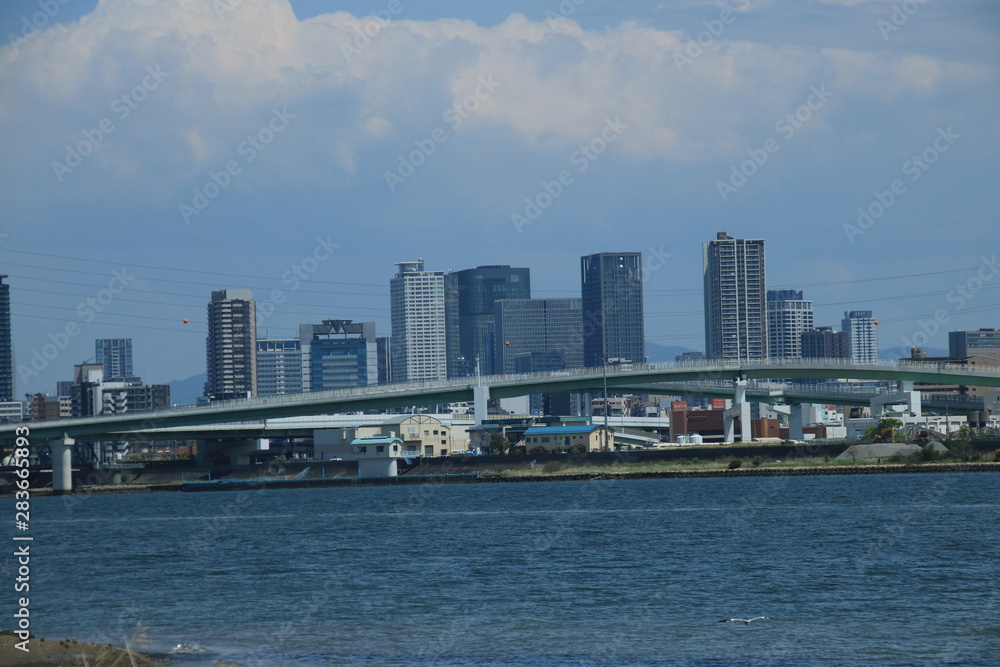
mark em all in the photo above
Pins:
pixel 357 87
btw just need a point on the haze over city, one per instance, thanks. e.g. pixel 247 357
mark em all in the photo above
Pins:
pixel 158 151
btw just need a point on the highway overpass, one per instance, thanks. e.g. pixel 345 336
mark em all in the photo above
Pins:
pixel 631 377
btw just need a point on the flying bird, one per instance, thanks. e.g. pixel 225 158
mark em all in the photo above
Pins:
pixel 744 620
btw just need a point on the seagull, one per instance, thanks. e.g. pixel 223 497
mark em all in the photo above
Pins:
pixel 744 620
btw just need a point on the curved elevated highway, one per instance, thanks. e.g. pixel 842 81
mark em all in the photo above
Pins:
pixel 633 377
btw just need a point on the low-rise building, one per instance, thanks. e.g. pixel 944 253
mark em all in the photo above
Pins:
pixel 559 439
pixel 420 433
pixel 377 456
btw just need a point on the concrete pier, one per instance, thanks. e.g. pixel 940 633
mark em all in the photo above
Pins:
pixel 62 465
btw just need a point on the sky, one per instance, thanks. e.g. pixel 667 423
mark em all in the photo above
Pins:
pixel 157 150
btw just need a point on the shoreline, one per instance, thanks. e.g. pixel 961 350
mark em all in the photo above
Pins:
pixel 520 477
pixel 67 652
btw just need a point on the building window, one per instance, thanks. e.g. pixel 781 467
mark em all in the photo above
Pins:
pixel 380 449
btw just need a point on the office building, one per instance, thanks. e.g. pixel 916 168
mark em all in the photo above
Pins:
pixel 611 291
pixel 383 348
pixel 862 336
pixel 984 343
pixel 6 346
pixel 279 366
pixel 338 354
pixel 534 335
pixel 91 393
pixel 115 357
pixel 470 295
pixel 417 311
pixel 825 343
pixel 735 298
pixel 231 346
pixel 788 317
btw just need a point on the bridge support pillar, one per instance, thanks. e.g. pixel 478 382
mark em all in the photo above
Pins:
pixel 62 465
pixel 904 394
pixel 480 399
pixel 741 409
pixel 796 420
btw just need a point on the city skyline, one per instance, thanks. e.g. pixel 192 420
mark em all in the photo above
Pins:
pixel 861 153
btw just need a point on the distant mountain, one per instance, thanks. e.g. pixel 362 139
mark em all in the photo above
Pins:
pixel 186 392
pixel 655 353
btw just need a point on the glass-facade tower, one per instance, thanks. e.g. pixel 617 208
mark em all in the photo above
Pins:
pixel 612 313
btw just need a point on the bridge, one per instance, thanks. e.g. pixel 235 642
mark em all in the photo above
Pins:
pixel 620 378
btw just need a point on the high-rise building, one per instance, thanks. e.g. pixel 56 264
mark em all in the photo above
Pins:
pixel 788 316
pixel 825 343
pixel 984 343
pixel 6 349
pixel 419 343
pixel 115 357
pixel 535 335
pixel 611 290
pixel 862 336
pixel 279 366
pixel 735 298
pixel 469 298
pixel 383 349
pixel 338 354
pixel 231 346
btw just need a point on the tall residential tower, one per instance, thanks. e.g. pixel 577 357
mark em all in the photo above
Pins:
pixel 231 347
pixel 788 317
pixel 862 336
pixel 735 298
pixel 115 357
pixel 419 343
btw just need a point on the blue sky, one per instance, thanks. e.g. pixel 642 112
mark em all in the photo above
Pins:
pixel 157 150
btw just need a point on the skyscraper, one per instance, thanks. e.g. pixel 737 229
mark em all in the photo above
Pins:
pixel 279 366
pixel 735 298
pixel 611 287
pixel 538 335
pixel 419 344
pixel 862 336
pixel 825 343
pixel 470 295
pixel 788 316
pixel 6 350
pixel 338 354
pixel 231 346
pixel 115 356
